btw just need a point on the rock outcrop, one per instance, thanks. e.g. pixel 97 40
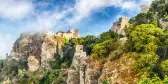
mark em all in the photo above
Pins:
pixel 84 70
pixel 87 70
pixel 76 72
pixel 164 24
pixel 33 64
pixel 119 71
pixel 39 48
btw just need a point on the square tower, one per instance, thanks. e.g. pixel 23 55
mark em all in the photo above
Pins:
pixel 79 48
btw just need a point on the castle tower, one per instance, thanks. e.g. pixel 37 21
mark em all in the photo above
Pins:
pixel 119 26
pixel 79 48
pixel 74 33
pixel 144 8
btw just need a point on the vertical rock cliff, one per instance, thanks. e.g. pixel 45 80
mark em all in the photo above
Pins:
pixel 76 73
pixel 39 48
pixel 83 70
pixel 88 70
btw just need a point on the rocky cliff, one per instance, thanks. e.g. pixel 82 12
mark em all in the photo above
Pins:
pixel 88 70
pixel 39 48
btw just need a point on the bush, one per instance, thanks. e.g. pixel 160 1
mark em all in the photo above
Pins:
pixel 165 81
pixel 145 61
pixel 105 81
pixel 147 80
pixel 102 50
pixel 115 54
pixel 164 67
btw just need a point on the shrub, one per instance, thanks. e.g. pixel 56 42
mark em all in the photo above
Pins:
pixel 164 67
pixel 105 81
pixel 115 54
pixel 147 80
pixel 102 50
pixel 145 61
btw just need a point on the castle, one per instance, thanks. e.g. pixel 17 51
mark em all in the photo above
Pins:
pixel 144 8
pixel 118 27
pixel 72 33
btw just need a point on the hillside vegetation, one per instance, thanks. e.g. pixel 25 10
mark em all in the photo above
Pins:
pixel 141 56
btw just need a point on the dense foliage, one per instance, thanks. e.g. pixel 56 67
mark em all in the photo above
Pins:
pixel 146 42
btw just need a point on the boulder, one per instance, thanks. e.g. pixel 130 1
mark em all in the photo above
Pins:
pixel 33 64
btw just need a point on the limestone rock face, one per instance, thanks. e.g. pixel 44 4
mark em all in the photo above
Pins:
pixel 39 48
pixel 87 70
pixel 75 73
pixel 93 71
pixel 48 49
pixel 164 24
pixel 83 69
pixel 33 64
pixel 119 71
pixel 29 44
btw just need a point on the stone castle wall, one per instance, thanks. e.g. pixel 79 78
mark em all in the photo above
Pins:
pixel 73 33
pixel 119 26
pixel 144 8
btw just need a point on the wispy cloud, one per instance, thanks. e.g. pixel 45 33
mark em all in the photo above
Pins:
pixel 47 20
pixel 84 8
pixel 15 9
pixel 31 18
pixel 6 43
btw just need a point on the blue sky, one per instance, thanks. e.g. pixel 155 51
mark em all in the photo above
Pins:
pixel 89 16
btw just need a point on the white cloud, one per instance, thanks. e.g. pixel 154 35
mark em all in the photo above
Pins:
pixel 128 5
pixel 48 20
pixel 15 9
pixel 6 43
pixel 146 1
pixel 84 8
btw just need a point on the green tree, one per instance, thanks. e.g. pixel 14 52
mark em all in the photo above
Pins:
pixel 89 42
pixel 23 78
pixel 102 50
pixel 163 46
pixel 147 80
pixel 144 38
pixel 1 65
pixel 108 35
pixel 165 81
pixel 164 67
